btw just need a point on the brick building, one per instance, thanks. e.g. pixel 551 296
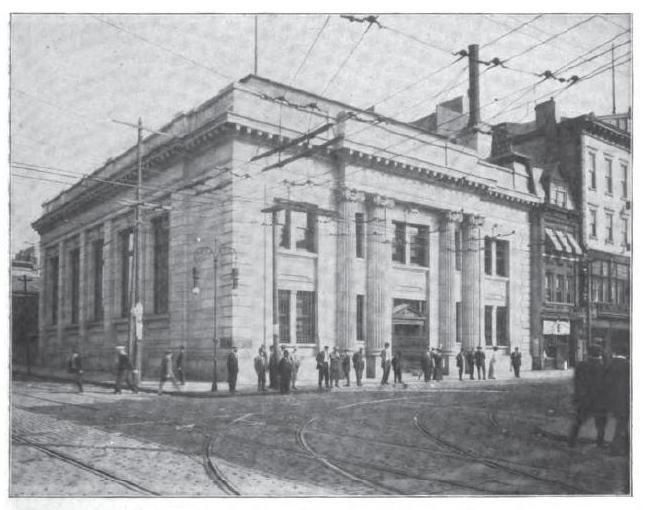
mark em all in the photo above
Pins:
pixel 368 230
pixel 587 164
pixel 25 283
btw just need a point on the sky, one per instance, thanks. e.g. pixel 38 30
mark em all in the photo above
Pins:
pixel 72 75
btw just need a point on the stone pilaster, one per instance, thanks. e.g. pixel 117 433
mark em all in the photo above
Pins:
pixel 471 281
pixel 447 256
pixel 62 269
pixel 43 311
pixel 378 295
pixel 345 263
pixel 109 263
pixel 83 288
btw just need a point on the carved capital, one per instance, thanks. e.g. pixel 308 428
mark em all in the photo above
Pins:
pixel 350 195
pixel 453 217
pixel 381 201
pixel 474 220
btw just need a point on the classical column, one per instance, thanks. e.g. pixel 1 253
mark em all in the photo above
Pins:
pixel 447 280
pixel 62 267
pixel 471 284
pixel 109 255
pixel 82 290
pixel 43 310
pixel 345 263
pixel 378 295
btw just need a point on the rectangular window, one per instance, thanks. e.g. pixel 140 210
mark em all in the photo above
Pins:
pixel 592 170
pixel 399 243
pixel 624 231
pixel 458 250
pixel 53 297
pixel 305 317
pixel 609 227
pixel 593 223
pixel 284 219
pixel 160 263
pixel 560 288
pixel 418 245
pixel 304 229
pixel 549 287
pixel 609 176
pixel 502 258
pixel 359 234
pixel 502 329
pixel 126 245
pixel 488 318
pixel 569 289
pixel 488 255
pixel 624 180
pixel 75 284
pixel 360 314
pixel 284 316
pixel 560 198
pixel 97 262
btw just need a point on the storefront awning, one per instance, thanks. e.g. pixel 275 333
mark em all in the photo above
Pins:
pixel 563 238
pixel 556 244
pixel 574 243
pixel 563 241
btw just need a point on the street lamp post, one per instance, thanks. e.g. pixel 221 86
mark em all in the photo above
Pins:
pixel 207 250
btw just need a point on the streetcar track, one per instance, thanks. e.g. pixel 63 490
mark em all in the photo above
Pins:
pixel 60 402
pixel 132 486
pixel 215 473
pixel 491 462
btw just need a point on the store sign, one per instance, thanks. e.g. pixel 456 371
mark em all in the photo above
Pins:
pixel 556 327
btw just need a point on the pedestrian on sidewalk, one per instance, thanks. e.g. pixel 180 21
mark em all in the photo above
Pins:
pixel 296 364
pixel 459 362
pixel 124 371
pixel 323 366
pixel 75 366
pixel 285 372
pixel 335 367
pixel 345 365
pixel 427 365
pixel 492 363
pixel 232 369
pixel 397 367
pixel 469 361
pixel 359 364
pixel 166 372
pixel 480 362
pixel 516 361
pixel 260 365
pixel 437 364
pixel 386 361
pixel 179 363
pixel 273 367
pixel 617 389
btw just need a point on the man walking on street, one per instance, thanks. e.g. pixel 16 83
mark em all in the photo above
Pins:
pixel 459 362
pixel 480 362
pixel 260 366
pixel 179 363
pixel 386 361
pixel 232 369
pixel 124 371
pixel 296 364
pixel 76 367
pixel 359 364
pixel 166 372
pixel 516 362
pixel 285 372
pixel 345 365
pixel 323 366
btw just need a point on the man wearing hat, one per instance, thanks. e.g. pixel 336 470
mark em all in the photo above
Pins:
pixel 335 367
pixel 232 369
pixel 359 364
pixel 427 365
pixel 296 364
pixel 124 371
pixel 480 362
pixel 76 367
pixel 285 372
pixel 166 372
pixel 386 362
pixel 345 365
pixel 515 359
pixel 323 366
pixel 260 365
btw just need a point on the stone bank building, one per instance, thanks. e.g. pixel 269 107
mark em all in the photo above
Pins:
pixel 364 231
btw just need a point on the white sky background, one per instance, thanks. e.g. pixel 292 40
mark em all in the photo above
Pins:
pixel 70 74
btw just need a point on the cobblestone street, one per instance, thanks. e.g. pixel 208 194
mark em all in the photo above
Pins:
pixel 475 438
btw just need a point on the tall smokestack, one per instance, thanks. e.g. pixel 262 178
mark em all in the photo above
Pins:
pixel 474 85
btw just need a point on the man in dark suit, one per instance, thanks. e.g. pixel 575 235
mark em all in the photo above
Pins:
pixel 480 362
pixel 617 397
pixel 260 366
pixel 179 363
pixel 397 367
pixel 345 366
pixel 469 362
pixel 359 364
pixel 273 368
pixel 437 364
pixel 427 365
pixel 285 372
pixel 124 371
pixel 76 367
pixel 516 361
pixel 323 366
pixel 232 369
pixel 459 362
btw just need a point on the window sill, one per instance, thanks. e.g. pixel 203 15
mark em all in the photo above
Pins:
pixel 496 277
pixel 298 253
pixel 409 267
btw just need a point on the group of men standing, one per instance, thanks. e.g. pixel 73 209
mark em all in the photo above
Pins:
pixel 334 366
pixel 475 360
pixel 282 369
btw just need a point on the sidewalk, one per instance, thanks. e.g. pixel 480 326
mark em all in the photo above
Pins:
pixel 202 389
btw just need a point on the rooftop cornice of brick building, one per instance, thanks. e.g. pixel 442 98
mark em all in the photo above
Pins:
pixel 235 111
pixel 589 123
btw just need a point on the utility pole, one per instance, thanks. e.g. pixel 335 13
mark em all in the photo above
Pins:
pixel 614 106
pixel 138 256
pixel 255 44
